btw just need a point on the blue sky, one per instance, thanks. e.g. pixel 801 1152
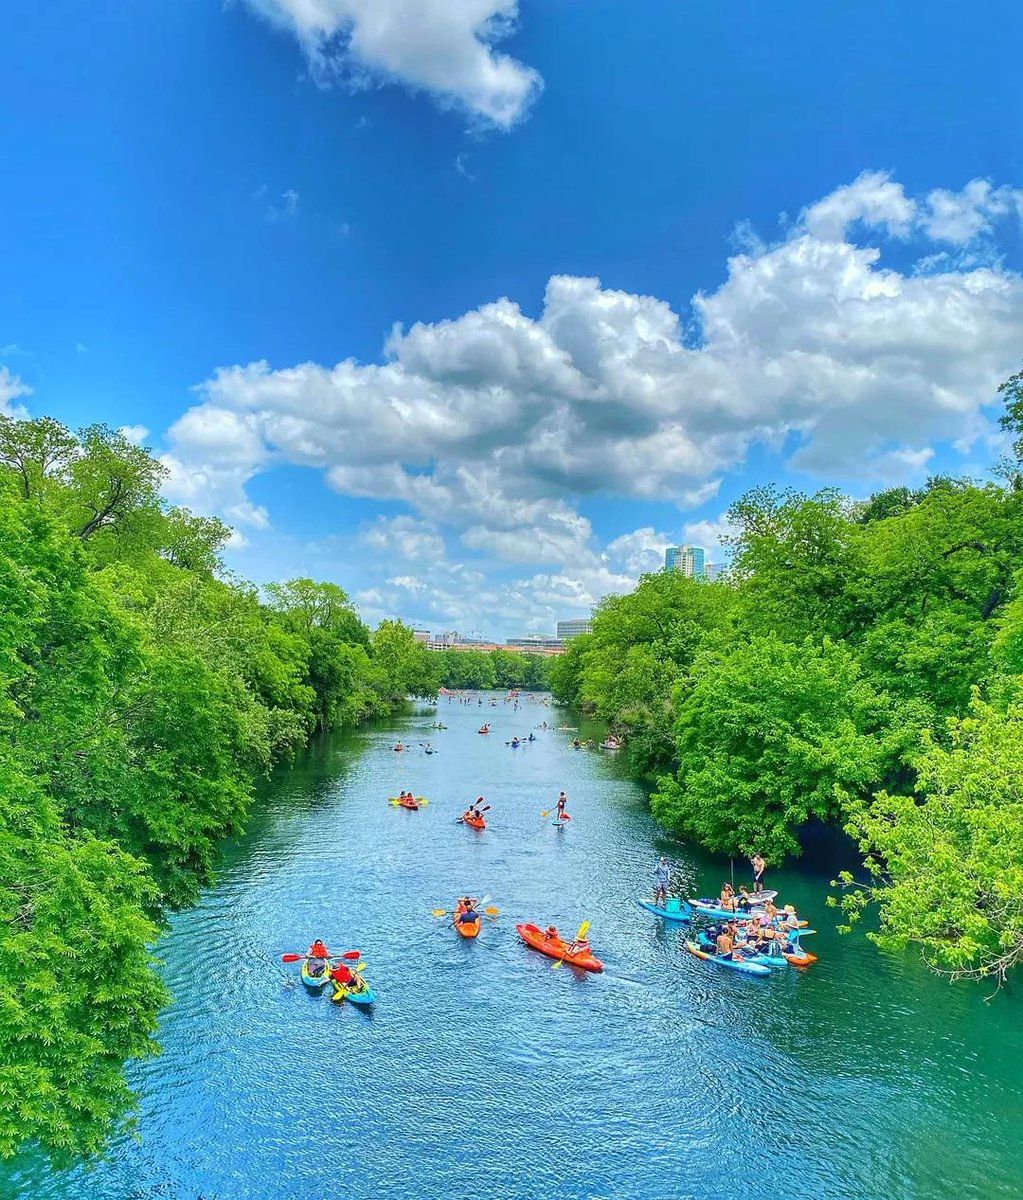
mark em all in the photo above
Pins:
pixel 805 221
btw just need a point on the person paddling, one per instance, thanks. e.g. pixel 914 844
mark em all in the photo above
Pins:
pixel 318 950
pixel 662 879
pixel 343 974
pixel 759 867
pixel 562 806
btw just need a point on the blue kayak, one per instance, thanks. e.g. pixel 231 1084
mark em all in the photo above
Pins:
pixel 315 982
pixel 734 964
pixel 674 910
pixel 765 960
pixel 364 997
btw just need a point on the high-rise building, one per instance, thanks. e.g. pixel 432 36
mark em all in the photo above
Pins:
pixel 688 560
pixel 573 628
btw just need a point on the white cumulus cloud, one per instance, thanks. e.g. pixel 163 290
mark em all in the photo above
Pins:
pixel 444 47
pixel 12 388
pixel 497 426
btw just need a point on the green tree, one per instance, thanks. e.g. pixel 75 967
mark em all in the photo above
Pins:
pixel 770 735
pixel 947 860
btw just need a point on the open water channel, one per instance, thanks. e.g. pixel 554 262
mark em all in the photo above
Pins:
pixel 484 1073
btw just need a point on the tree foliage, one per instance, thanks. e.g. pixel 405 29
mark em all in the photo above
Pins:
pixel 863 665
pixel 142 694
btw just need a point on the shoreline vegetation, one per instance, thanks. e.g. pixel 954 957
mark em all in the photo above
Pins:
pixel 143 693
pixel 862 665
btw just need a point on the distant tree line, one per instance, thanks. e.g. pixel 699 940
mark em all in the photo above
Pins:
pixel 862 664
pixel 486 669
pixel 142 694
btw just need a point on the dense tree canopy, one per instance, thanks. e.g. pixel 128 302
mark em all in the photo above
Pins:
pixel 493 669
pixel 863 664
pixel 141 696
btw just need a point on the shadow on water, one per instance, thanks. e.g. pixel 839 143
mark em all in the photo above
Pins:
pixel 483 1071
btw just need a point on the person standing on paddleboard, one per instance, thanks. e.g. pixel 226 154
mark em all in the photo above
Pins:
pixel 759 867
pixel 562 805
pixel 662 878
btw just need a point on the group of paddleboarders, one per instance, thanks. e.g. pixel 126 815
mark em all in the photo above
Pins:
pixel 756 935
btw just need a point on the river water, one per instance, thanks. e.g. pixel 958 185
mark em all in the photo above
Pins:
pixel 485 1073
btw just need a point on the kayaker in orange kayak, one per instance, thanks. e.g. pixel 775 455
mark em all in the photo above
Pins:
pixel 551 933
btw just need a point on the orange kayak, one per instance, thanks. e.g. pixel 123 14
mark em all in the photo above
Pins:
pixel 468 929
pixel 475 822
pixel 534 936
pixel 412 804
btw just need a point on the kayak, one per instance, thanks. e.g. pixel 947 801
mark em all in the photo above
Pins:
pixel 534 936
pixel 475 822
pixel 412 805
pixel 469 929
pixel 610 746
pixel 674 910
pixel 748 968
pixel 315 982
pixel 363 996
pixel 765 960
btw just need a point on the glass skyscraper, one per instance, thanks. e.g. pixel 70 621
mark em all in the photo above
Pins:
pixel 689 560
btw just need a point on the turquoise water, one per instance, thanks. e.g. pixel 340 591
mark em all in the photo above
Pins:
pixel 484 1073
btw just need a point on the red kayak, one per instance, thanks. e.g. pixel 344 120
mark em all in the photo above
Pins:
pixel 475 822
pixel 557 947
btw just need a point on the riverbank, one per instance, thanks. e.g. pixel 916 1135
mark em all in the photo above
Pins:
pixel 866 1076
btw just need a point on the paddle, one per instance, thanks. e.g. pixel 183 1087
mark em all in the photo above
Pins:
pixel 572 945
pixel 351 954
pixel 491 911
pixel 461 820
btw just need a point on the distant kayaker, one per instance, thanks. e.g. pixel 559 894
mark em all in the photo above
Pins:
pixel 662 880
pixel 552 933
pixel 318 950
pixel 759 867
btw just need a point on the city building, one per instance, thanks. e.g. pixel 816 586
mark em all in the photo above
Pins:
pixel 714 570
pixel 573 628
pixel 422 635
pixel 687 560
pixel 535 641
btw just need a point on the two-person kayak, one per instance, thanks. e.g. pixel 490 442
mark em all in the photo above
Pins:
pixel 555 946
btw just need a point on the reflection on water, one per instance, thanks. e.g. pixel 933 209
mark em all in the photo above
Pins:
pixel 485 1073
